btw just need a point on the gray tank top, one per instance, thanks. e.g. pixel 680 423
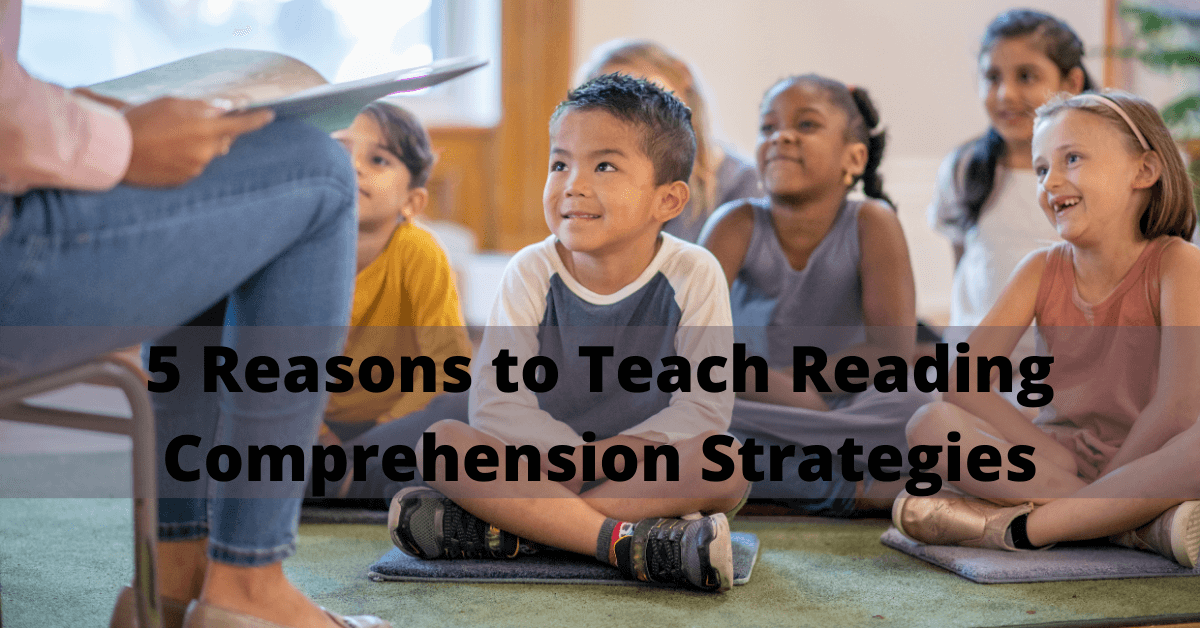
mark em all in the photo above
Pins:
pixel 776 307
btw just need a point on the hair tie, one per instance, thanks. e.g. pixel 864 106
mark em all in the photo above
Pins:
pixel 1112 104
pixel 875 131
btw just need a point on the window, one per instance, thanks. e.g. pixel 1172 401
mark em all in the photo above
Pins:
pixel 80 42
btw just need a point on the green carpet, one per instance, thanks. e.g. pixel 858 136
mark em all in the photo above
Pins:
pixel 71 555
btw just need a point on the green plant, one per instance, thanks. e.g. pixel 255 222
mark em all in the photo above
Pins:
pixel 1167 40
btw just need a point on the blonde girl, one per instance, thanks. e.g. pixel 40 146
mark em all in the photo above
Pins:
pixel 1116 304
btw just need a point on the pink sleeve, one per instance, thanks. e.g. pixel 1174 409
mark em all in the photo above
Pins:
pixel 53 139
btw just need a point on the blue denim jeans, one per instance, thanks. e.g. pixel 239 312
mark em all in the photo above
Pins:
pixel 271 229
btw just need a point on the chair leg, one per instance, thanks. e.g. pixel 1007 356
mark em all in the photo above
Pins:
pixel 129 377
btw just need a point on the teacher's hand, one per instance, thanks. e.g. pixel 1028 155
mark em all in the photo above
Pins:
pixel 174 139
pixel 107 101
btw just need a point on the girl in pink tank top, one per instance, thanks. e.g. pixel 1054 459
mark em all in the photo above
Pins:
pixel 1118 307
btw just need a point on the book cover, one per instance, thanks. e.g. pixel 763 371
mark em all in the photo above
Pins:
pixel 255 79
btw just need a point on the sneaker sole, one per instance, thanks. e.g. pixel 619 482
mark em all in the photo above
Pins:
pixel 724 553
pixel 1185 534
pixel 897 508
pixel 393 521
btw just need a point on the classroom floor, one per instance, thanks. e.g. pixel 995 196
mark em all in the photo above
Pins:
pixel 72 554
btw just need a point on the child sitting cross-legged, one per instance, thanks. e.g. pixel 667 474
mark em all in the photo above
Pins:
pixel 621 152
pixel 1117 305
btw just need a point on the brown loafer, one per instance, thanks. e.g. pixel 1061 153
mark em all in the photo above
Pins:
pixel 947 518
pixel 124 613
pixel 201 615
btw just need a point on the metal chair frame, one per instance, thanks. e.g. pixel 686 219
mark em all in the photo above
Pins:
pixel 123 373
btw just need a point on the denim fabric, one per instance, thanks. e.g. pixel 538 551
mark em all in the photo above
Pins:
pixel 272 228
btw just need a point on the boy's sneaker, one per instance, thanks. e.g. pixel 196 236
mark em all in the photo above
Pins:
pixel 695 553
pixel 426 524
pixel 1174 534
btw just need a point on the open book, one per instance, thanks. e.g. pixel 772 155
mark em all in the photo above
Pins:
pixel 254 79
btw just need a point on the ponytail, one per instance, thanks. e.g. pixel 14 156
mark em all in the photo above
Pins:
pixel 876 141
pixel 982 156
pixel 862 125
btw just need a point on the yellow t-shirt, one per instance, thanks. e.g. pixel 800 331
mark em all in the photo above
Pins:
pixel 405 304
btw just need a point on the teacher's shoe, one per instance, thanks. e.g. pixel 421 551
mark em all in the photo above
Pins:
pixel 124 613
pixel 201 615
pixel 1174 534
pixel 949 518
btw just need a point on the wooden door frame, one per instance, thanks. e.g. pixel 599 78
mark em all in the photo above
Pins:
pixel 490 179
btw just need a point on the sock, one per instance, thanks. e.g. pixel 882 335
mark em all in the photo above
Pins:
pixel 604 541
pixel 1020 538
pixel 615 536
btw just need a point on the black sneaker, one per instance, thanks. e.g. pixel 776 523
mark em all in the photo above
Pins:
pixel 694 553
pixel 426 524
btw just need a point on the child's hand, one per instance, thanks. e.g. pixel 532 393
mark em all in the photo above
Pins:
pixel 1061 456
pixel 1095 454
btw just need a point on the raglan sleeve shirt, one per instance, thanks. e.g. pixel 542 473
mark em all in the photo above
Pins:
pixel 705 331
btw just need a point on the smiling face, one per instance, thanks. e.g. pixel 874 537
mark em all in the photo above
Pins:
pixel 1087 177
pixel 1015 78
pixel 600 197
pixel 802 149
pixel 384 196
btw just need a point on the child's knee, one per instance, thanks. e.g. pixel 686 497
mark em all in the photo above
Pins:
pixel 931 423
pixel 457 435
pixel 719 455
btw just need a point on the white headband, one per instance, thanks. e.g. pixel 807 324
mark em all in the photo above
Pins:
pixel 1112 104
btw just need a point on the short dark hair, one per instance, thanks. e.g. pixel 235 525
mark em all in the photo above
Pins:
pixel 406 138
pixel 665 123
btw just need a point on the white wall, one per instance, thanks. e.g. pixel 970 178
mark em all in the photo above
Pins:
pixel 918 59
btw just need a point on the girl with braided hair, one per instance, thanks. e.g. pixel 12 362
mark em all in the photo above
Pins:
pixel 809 266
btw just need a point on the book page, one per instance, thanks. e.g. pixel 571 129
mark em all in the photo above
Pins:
pixel 252 79
pixel 243 77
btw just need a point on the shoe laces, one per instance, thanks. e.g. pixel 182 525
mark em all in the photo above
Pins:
pixel 664 551
pixel 468 536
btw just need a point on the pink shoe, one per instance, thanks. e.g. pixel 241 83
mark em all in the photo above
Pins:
pixel 948 518
pixel 1174 534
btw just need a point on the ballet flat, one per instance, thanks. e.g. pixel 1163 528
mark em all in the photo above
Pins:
pixel 951 519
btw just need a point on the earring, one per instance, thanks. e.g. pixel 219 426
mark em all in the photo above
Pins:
pixel 848 179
